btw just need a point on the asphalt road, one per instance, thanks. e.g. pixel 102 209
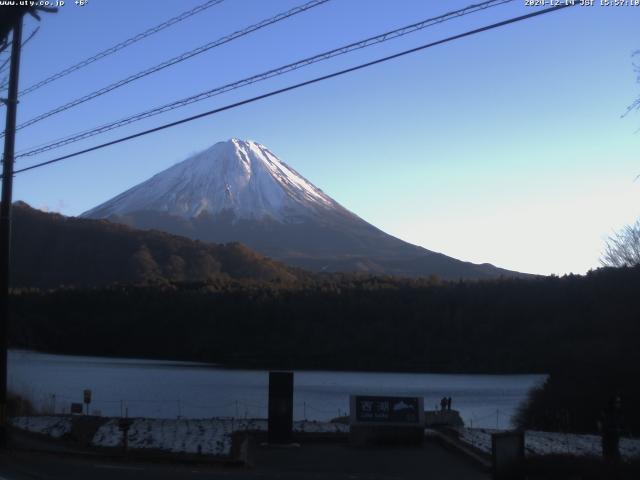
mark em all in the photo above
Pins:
pixel 318 462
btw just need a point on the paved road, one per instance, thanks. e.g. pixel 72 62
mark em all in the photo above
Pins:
pixel 317 462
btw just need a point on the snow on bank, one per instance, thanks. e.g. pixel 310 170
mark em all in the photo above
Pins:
pixel 205 436
pixel 52 426
pixel 306 426
pixel 198 436
pixel 209 437
pixel 552 443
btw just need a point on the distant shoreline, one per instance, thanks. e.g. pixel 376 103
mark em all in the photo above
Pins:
pixel 252 367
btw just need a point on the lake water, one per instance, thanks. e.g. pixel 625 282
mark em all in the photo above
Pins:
pixel 166 389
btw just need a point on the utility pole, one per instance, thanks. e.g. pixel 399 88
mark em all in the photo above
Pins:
pixel 11 20
pixel 5 217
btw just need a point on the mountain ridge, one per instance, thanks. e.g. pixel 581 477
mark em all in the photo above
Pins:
pixel 50 250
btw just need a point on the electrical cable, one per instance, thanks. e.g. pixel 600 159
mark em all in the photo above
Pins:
pixel 260 77
pixel 299 85
pixel 121 45
pixel 173 61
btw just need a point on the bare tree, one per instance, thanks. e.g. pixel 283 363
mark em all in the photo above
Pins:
pixel 623 248
pixel 636 67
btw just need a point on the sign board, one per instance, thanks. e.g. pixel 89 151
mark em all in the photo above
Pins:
pixel 386 410
pixel 76 408
pixel 507 452
pixel 87 396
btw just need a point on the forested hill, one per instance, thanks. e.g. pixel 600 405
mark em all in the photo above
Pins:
pixel 50 250
pixel 347 322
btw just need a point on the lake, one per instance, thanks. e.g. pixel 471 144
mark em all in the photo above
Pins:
pixel 168 389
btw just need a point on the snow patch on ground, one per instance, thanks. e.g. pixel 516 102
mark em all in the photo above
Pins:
pixel 205 436
pixel 306 426
pixel 208 437
pixel 197 436
pixel 552 443
pixel 52 426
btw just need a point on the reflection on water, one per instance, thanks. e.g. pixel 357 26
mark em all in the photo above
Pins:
pixel 167 389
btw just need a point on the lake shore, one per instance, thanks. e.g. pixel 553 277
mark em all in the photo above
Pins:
pixel 167 389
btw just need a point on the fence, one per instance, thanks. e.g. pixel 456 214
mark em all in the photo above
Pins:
pixel 189 407
pixel 178 407
pixel 486 421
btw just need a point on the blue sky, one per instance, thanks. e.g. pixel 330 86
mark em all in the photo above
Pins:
pixel 506 147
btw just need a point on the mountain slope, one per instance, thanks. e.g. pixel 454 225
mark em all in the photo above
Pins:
pixel 240 191
pixel 51 250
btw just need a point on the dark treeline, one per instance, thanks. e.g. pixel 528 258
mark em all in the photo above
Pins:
pixel 578 328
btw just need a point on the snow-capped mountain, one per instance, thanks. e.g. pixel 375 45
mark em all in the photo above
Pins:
pixel 242 177
pixel 240 191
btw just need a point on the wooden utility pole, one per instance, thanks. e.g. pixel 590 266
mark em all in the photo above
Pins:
pixel 5 217
pixel 10 20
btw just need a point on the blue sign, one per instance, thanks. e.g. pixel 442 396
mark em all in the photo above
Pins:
pixel 379 409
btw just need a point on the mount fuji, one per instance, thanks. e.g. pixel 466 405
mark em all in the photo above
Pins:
pixel 240 191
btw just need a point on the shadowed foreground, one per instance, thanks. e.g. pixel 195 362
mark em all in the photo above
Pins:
pixel 317 461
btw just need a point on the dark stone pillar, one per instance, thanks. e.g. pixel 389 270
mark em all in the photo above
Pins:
pixel 280 407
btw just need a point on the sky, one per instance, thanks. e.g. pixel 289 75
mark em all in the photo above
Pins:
pixel 506 147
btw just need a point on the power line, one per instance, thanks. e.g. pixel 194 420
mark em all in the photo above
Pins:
pixel 390 35
pixel 180 58
pixel 121 45
pixel 299 85
pixel 5 45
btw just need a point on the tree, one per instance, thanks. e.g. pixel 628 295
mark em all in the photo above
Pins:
pixel 636 66
pixel 623 248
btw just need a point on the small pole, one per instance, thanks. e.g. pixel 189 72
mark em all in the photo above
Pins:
pixel 497 418
pixel 179 409
pixel 121 408
pixel 5 218
pixel 237 411
pixel 304 410
pixel 125 438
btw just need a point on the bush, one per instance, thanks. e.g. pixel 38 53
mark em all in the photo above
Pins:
pixel 18 406
pixel 573 398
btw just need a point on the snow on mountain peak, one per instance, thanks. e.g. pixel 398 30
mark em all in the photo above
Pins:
pixel 242 176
